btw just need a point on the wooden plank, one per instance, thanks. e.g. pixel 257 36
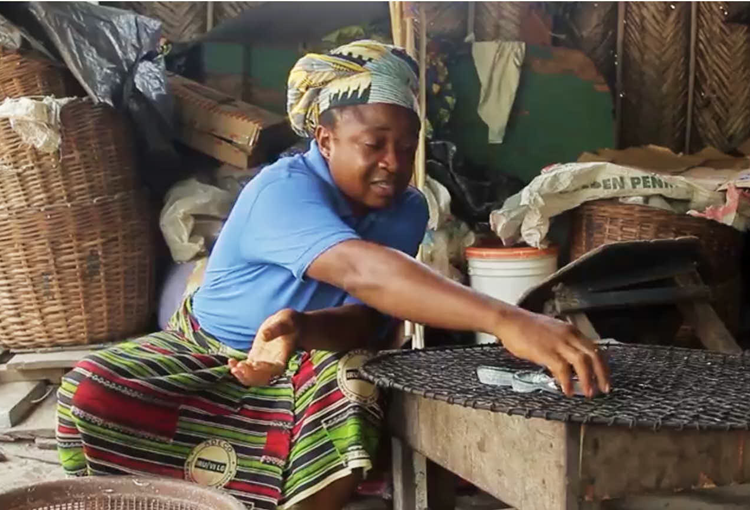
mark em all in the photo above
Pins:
pixel 704 320
pixel 17 399
pixel 41 422
pixel 709 328
pixel 640 275
pixel 616 461
pixel 721 498
pixel 53 375
pixel 582 322
pixel 523 462
pixel 45 443
pixel 47 360
pixel 570 300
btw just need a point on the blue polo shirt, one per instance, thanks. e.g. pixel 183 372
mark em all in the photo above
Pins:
pixel 282 221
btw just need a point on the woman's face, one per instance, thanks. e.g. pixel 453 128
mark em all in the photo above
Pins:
pixel 370 152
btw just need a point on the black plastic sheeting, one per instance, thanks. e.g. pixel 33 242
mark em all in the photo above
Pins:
pixel 472 200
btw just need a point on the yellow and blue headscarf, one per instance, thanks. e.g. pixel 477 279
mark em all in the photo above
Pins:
pixel 361 72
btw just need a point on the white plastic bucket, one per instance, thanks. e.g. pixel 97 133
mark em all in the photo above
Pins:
pixel 506 273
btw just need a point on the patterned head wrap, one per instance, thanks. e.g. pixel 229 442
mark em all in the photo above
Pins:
pixel 361 72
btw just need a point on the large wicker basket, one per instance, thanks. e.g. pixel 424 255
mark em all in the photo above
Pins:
pixel 74 274
pixel 24 73
pixel 606 221
pixel 95 159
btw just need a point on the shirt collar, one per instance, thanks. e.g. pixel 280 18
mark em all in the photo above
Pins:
pixel 315 162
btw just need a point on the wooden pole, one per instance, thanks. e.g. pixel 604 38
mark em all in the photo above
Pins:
pixel 470 17
pixel 421 160
pixel 397 23
pixel 209 16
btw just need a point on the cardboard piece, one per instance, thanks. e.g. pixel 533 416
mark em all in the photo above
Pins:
pixel 662 160
pixel 224 127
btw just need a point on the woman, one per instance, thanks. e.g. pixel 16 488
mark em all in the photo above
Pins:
pixel 253 387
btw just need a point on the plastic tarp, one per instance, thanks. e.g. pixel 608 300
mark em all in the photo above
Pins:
pixel 192 216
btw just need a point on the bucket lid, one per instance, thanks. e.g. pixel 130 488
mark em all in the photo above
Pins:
pixel 518 252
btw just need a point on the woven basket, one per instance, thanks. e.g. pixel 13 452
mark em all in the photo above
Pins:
pixel 722 70
pixel 499 20
pixel 117 493
pixel 95 159
pixel 446 19
pixel 655 73
pixel 27 74
pixel 607 221
pixel 76 274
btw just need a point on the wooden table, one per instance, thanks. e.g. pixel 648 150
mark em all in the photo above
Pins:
pixel 535 464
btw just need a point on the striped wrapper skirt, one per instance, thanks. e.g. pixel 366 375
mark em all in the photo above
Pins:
pixel 167 405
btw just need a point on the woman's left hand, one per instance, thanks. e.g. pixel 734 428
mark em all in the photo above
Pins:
pixel 272 347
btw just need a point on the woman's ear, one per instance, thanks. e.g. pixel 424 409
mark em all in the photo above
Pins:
pixel 324 138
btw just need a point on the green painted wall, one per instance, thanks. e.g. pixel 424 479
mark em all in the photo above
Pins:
pixel 265 68
pixel 555 117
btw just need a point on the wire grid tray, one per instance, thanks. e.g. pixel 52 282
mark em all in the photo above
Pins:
pixel 652 386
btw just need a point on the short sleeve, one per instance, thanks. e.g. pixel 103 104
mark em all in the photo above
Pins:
pixel 291 222
pixel 402 227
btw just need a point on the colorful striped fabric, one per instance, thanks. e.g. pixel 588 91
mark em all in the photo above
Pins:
pixel 166 405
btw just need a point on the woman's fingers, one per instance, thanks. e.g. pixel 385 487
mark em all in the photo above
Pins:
pixel 255 373
pixel 581 364
pixel 561 372
pixel 594 359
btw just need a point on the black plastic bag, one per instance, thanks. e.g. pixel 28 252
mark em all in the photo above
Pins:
pixel 472 200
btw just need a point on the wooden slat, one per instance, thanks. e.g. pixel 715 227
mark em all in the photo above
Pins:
pixel 704 320
pixel 17 399
pixel 47 360
pixel 569 300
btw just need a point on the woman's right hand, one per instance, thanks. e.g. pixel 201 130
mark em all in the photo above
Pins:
pixel 556 345
pixel 272 347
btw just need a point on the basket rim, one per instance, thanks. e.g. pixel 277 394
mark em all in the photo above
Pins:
pixel 29 496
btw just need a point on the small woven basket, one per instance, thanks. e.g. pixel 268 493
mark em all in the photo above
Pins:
pixel 607 221
pixel 75 274
pixel 95 159
pixel 117 493
pixel 24 74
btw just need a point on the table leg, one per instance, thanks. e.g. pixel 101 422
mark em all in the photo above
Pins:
pixel 409 478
